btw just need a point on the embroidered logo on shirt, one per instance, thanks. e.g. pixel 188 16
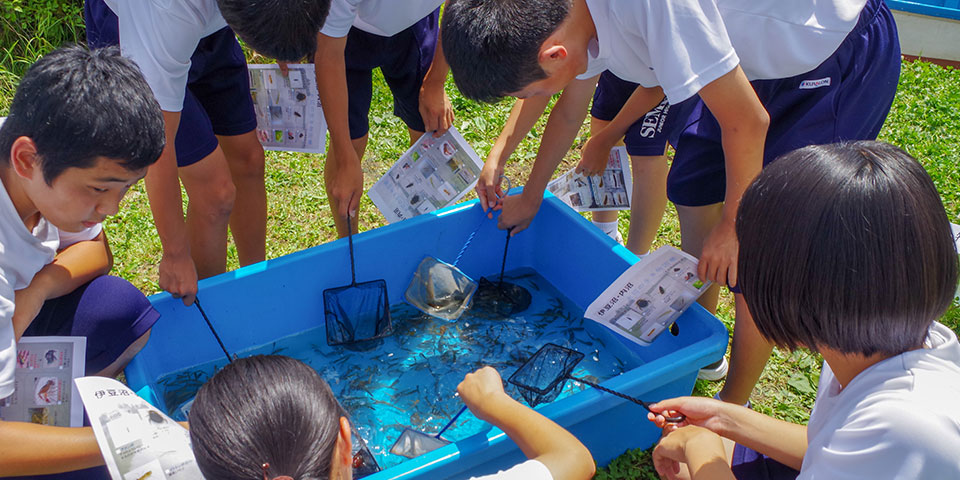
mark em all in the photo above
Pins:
pixel 808 84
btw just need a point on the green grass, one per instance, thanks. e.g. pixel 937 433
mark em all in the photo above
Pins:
pixel 925 120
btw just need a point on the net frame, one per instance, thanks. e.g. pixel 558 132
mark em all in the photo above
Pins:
pixel 337 311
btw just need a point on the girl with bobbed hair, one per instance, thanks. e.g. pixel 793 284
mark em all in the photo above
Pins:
pixel 273 417
pixel 846 250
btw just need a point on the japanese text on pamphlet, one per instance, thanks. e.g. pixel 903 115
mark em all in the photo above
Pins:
pixel 649 296
pixel 43 382
pixel 137 440
pixel 288 110
pixel 432 174
pixel 610 191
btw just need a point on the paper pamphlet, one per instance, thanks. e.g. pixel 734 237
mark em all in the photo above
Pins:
pixel 43 382
pixel 137 440
pixel 432 174
pixel 288 110
pixel 610 191
pixel 649 295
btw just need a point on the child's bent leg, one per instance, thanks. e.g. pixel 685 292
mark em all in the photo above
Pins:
pixel 648 202
pixel 748 355
pixel 112 314
pixel 248 223
pixel 211 193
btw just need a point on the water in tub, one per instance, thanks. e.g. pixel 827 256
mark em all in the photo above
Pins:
pixel 410 378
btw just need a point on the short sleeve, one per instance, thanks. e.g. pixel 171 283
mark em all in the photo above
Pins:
pixel 69 238
pixel 688 44
pixel 529 470
pixel 160 41
pixel 340 19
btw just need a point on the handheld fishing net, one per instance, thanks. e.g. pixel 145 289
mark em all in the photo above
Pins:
pixel 413 443
pixel 541 379
pixel 356 312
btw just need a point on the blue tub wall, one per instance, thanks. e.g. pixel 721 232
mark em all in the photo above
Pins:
pixel 264 302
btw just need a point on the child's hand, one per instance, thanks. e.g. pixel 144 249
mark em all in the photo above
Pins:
pixel 488 187
pixel 680 445
pixel 595 154
pixel 435 109
pixel 518 211
pixel 344 179
pixel 478 389
pixel 718 262
pixel 178 275
pixel 699 411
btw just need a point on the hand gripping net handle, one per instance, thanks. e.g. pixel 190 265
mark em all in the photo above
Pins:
pixel 643 404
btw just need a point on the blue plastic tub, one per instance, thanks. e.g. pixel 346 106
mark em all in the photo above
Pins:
pixel 264 302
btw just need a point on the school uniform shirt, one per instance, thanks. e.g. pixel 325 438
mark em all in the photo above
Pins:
pixel 899 418
pixel 23 254
pixel 683 45
pixel 161 36
pixel 529 470
pixel 379 17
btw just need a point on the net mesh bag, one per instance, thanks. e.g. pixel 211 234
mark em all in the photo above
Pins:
pixel 357 312
pixel 412 443
pixel 541 379
pixel 440 289
pixel 500 299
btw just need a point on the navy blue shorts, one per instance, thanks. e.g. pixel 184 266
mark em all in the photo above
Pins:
pixel 217 98
pixel 109 311
pixel 846 98
pixel 403 59
pixel 647 136
pixel 748 464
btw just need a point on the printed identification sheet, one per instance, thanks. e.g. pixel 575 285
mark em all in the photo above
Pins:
pixel 610 191
pixel 43 382
pixel 432 174
pixel 649 296
pixel 288 110
pixel 137 440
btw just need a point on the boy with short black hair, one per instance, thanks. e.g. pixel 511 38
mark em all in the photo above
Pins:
pixel 868 268
pixel 83 128
pixel 748 81
pixel 198 73
pixel 256 24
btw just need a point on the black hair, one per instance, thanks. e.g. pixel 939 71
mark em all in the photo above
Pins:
pixel 493 46
pixel 281 29
pixel 845 246
pixel 265 409
pixel 78 104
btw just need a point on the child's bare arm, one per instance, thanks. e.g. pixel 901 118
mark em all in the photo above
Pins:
pixel 72 267
pixel 30 449
pixel 435 107
pixel 743 123
pixel 346 185
pixel 523 116
pixel 539 437
pixel 783 441
pixel 178 273
pixel 564 123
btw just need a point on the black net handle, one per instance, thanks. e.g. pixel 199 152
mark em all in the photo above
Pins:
pixel 503 265
pixel 353 270
pixel 679 418
pixel 196 301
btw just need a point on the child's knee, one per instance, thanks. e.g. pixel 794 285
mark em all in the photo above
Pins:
pixel 215 202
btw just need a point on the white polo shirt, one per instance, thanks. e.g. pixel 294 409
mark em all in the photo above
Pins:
pixel 379 17
pixel 898 419
pixel 683 45
pixel 161 36
pixel 23 254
